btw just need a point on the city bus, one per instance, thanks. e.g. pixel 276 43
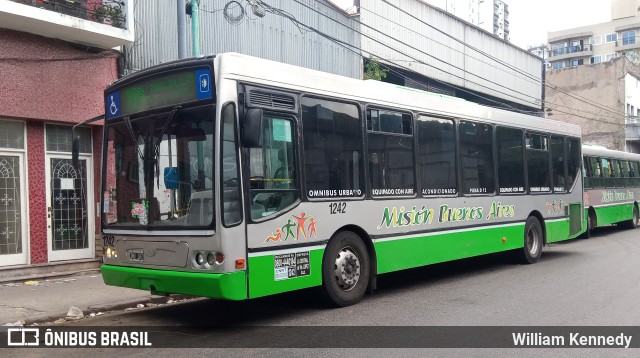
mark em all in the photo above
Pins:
pixel 611 187
pixel 235 177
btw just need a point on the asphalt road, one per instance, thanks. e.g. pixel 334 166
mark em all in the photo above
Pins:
pixel 577 283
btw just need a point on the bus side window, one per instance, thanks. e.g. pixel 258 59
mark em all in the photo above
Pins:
pixel 587 172
pixel 231 206
pixel 476 158
pixel 624 166
pixel 538 162
pixel 573 150
pixel 607 173
pixel 390 153
pixel 333 148
pixel 558 163
pixel 272 168
pixel 437 155
pixel 596 168
pixel 510 149
pixel 636 173
pixel 616 173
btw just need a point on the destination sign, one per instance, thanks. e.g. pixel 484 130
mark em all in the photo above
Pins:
pixel 160 91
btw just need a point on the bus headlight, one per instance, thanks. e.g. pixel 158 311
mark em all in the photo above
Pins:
pixel 199 258
pixel 107 253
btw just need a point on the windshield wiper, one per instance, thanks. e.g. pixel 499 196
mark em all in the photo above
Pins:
pixel 127 121
pixel 156 145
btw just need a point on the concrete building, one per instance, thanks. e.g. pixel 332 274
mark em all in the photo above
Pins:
pixel 420 56
pixel 434 50
pixel 604 99
pixel 597 43
pixel 226 27
pixel 489 15
pixel 540 51
pixel 55 61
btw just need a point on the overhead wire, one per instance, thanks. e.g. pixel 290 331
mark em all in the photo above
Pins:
pixel 424 63
pixel 583 99
pixel 411 70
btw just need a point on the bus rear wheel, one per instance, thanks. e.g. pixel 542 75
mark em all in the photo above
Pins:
pixel 633 223
pixel 533 242
pixel 345 269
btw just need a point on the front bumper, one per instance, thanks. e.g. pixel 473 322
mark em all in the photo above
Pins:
pixel 230 286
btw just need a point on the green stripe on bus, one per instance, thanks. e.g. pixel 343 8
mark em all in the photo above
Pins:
pixel 395 255
pixel 262 275
pixel 612 214
pixel 404 253
pixel 231 286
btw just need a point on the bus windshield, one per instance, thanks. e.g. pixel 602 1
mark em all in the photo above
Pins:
pixel 158 170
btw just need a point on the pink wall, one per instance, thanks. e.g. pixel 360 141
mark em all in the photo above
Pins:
pixel 37 193
pixel 49 79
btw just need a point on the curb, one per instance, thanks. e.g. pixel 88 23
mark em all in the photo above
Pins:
pixel 42 277
pixel 55 318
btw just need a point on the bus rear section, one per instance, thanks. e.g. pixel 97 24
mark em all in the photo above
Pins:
pixel 611 188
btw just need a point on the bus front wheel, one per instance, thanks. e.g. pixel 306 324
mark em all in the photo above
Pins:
pixel 345 269
pixel 533 242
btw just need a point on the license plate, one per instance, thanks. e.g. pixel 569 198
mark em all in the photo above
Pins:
pixel 136 255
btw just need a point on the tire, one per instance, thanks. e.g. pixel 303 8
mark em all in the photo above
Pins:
pixel 533 242
pixel 633 223
pixel 345 269
pixel 587 233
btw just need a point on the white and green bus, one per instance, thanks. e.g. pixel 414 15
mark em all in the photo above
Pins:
pixel 235 177
pixel 611 187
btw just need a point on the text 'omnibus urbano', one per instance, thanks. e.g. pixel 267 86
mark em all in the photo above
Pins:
pixel 235 177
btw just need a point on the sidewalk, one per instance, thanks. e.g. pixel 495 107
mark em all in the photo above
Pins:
pixel 47 300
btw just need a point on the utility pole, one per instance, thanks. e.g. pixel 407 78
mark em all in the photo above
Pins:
pixel 195 51
pixel 182 33
pixel 195 28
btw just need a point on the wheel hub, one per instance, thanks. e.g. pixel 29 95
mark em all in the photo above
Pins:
pixel 347 269
pixel 532 241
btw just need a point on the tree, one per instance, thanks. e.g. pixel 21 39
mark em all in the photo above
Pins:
pixel 373 70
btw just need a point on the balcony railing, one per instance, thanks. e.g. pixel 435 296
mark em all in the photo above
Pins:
pixel 110 12
pixel 569 49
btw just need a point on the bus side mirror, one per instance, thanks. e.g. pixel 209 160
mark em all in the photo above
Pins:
pixel 75 152
pixel 251 128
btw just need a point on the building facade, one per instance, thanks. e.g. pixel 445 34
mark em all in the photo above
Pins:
pixel 602 98
pixel 226 27
pixel 598 43
pixel 433 50
pixel 489 15
pixel 55 60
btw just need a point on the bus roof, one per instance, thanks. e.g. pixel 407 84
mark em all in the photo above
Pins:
pixel 270 73
pixel 600 151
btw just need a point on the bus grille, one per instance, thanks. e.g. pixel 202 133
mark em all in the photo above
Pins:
pixel 271 100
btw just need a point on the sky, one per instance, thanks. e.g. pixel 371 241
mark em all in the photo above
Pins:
pixel 531 20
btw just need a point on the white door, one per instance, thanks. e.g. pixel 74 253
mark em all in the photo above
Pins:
pixel 70 211
pixel 13 213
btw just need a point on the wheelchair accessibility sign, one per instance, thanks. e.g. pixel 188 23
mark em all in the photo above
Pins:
pixel 113 104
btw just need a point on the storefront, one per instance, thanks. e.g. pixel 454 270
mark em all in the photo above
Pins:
pixel 48 206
